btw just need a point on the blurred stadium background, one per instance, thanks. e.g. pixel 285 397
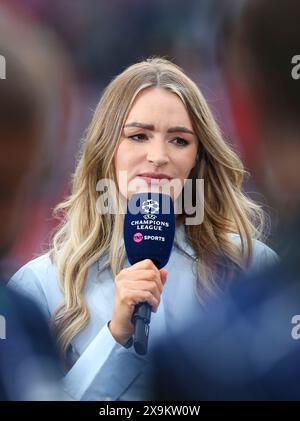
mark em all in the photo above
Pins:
pixel 94 40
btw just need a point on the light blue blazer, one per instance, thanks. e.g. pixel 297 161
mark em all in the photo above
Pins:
pixel 103 369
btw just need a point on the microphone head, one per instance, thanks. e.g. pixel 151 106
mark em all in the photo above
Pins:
pixel 149 228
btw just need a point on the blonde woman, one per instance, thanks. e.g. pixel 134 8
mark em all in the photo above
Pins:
pixel 151 122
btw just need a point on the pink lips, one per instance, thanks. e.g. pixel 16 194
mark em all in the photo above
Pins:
pixel 155 175
pixel 154 178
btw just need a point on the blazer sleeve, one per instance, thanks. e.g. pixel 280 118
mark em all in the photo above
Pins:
pixel 105 368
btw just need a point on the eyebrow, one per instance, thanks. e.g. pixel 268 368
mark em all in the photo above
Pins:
pixel 145 126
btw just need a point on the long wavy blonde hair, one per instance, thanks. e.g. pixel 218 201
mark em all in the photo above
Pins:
pixel 85 235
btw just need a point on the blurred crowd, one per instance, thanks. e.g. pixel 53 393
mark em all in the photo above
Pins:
pixel 85 45
pixel 62 54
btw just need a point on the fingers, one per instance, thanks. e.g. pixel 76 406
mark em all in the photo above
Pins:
pixel 131 297
pixel 145 275
pixel 140 282
pixel 147 296
pixel 143 285
pixel 147 264
pixel 144 264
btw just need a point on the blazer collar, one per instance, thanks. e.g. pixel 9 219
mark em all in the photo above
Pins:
pixel 181 242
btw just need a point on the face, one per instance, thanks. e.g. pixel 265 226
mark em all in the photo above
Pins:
pixel 158 145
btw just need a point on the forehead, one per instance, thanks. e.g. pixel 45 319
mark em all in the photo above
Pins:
pixel 158 104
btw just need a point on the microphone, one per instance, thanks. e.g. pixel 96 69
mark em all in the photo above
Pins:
pixel 149 229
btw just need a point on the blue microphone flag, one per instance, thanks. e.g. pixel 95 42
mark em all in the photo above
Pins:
pixel 149 228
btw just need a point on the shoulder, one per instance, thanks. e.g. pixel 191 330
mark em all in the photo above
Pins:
pixel 37 269
pixel 38 280
pixel 262 257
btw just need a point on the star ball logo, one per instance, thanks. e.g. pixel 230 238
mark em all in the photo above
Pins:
pixel 2 67
pixel 150 206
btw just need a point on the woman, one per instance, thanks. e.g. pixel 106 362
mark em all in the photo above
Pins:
pixel 152 121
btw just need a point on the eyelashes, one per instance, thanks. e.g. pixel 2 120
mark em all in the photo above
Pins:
pixel 140 137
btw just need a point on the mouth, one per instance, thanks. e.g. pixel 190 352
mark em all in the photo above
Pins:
pixel 155 178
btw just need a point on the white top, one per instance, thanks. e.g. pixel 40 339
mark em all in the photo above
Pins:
pixel 103 369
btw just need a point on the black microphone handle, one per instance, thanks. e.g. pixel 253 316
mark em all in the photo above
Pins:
pixel 141 318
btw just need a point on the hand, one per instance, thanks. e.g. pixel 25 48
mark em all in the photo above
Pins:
pixel 138 283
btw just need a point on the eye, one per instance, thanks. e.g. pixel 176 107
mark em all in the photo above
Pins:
pixel 138 137
pixel 179 141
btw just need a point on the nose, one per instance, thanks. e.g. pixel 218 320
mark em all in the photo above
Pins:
pixel 157 153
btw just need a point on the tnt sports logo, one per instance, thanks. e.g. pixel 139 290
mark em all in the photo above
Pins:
pixel 138 237
pixel 150 206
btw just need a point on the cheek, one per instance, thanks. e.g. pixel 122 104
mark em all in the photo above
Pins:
pixel 121 159
pixel 185 164
pixel 125 157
